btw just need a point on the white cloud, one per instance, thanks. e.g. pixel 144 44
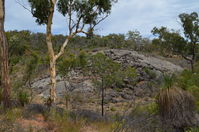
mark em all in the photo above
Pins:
pixel 146 14
pixel 126 15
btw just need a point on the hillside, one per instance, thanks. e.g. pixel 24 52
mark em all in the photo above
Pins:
pixel 61 70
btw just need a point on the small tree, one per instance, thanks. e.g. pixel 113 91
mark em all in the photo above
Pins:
pixel 31 67
pixel 190 24
pixel 82 17
pixel 71 63
pixel 108 73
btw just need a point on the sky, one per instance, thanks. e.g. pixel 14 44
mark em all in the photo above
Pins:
pixel 126 15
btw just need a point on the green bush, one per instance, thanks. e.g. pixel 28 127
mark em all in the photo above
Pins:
pixel 189 81
pixel 151 73
pixel 148 109
pixel 193 129
pixel 169 81
pixel 23 98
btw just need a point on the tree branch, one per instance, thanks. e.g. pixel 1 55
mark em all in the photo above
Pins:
pixel 61 52
pixel 103 18
pixel 23 6
pixel 186 58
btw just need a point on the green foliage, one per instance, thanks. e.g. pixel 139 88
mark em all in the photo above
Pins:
pixel 104 68
pixel 169 81
pixel 109 71
pixel 72 62
pixel 62 122
pixel 31 66
pixel 19 44
pixel 151 73
pixel 23 97
pixel 41 10
pixel 190 24
pixel 114 40
pixel 195 129
pixel 173 42
pixel 170 41
pixel 189 81
pixel 151 108
pixel 66 64
pixel 113 109
pixel 82 59
pixel 86 10
pixel 13 114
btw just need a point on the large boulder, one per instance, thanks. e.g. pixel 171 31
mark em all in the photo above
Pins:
pixel 137 60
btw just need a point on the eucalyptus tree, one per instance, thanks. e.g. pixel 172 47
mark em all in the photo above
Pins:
pixel 5 80
pixel 190 24
pixel 82 17
pixel 173 41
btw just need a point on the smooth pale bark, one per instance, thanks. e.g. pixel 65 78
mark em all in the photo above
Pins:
pixel 51 56
pixel 4 58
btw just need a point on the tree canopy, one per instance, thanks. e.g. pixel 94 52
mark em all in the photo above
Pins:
pixel 79 12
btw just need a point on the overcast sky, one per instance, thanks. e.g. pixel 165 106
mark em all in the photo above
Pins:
pixel 141 15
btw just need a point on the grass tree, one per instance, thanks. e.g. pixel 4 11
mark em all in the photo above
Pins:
pixel 176 106
pixel 5 80
pixel 82 17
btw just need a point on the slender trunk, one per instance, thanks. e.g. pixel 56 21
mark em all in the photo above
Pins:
pixel 53 79
pixel 193 57
pixel 102 97
pixel 4 58
pixel 192 66
pixel 51 55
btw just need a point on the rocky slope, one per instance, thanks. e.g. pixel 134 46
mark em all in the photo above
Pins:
pixel 140 61
pixel 149 70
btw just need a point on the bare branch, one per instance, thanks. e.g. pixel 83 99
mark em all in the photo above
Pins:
pixel 103 18
pixel 78 23
pixel 23 6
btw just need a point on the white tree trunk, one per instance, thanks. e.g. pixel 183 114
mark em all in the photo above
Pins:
pixel 53 79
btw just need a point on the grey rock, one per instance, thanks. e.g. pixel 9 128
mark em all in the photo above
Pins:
pixel 140 61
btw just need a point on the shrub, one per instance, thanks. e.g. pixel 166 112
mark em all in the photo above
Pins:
pixel 151 73
pixel 169 81
pixel 193 129
pixel 23 97
pixel 189 81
